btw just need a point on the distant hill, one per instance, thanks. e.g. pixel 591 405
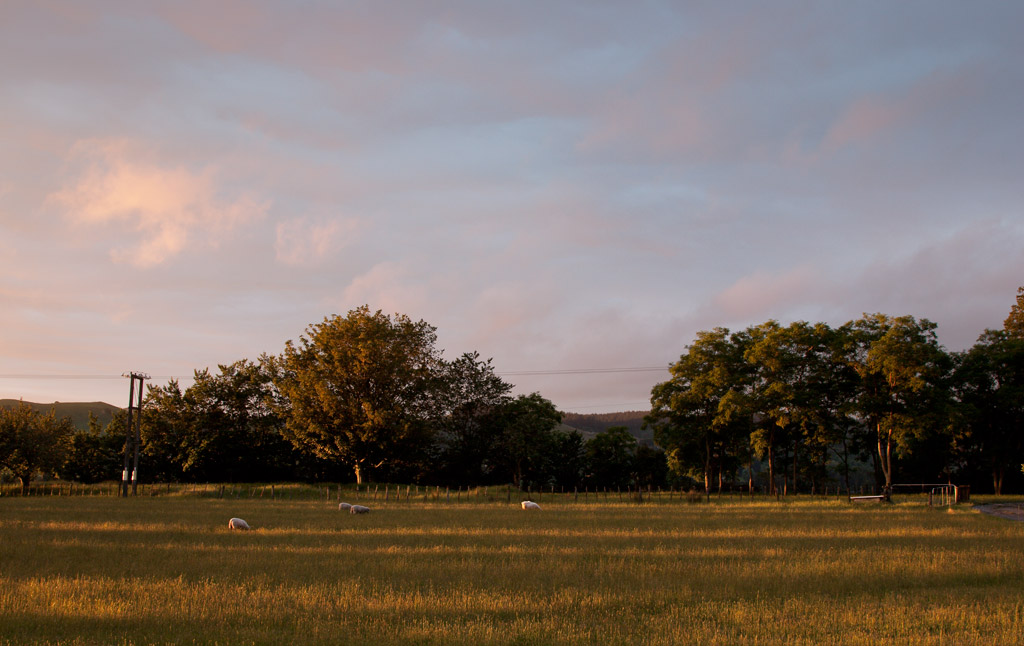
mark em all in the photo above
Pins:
pixel 77 411
pixel 593 423
pixel 588 425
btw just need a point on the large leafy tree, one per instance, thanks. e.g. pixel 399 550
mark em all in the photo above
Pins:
pixel 528 439
pixel 361 388
pixel 237 429
pixel 95 454
pixel 611 456
pixel 227 426
pixel 569 459
pixel 989 390
pixel 902 371
pixel 32 442
pixel 470 400
pixel 170 451
pixel 697 413
pixel 801 391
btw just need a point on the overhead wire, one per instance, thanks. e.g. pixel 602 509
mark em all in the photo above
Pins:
pixel 501 373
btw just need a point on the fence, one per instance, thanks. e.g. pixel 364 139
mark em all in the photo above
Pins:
pixel 384 492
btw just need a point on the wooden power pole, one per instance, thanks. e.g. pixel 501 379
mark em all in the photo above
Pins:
pixel 133 435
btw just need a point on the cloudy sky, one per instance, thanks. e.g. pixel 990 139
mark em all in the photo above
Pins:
pixel 572 188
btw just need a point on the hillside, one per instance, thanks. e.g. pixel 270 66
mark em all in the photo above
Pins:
pixel 592 424
pixel 588 425
pixel 77 411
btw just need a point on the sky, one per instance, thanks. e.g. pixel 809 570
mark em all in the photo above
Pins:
pixel 573 189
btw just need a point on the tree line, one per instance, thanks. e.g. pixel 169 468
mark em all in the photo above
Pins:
pixel 357 397
pixel 808 402
pixel 370 396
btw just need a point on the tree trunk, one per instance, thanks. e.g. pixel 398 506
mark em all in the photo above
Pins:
pixel 997 480
pixel 796 445
pixel 750 475
pixel 885 457
pixel 707 467
pixel 359 473
pixel 846 465
pixel 771 467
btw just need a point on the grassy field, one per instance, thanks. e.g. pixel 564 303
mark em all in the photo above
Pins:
pixel 166 570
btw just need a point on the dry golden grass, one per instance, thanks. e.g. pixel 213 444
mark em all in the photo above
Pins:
pixel 166 570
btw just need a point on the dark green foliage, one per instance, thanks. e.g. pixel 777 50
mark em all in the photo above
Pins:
pixel 527 441
pixel 32 442
pixel 96 453
pixel 611 458
pixel 988 419
pixel 801 396
pixel 471 402
pixel 568 460
pixel 701 412
pixel 650 467
pixel 224 428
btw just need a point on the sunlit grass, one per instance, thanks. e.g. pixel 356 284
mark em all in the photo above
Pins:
pixel 98 570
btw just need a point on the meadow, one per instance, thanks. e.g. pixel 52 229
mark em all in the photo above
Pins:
pixel 166 570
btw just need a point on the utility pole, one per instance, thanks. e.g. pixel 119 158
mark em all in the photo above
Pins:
pixel 133 434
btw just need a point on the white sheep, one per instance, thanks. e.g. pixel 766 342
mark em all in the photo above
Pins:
pixel 529 504
pixel 238 523
pixel 359 509
pixel 344 506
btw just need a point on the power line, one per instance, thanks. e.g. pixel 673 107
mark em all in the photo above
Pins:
pixel 506 373
pixel 82 377
pixel 580 371
pixel 86 377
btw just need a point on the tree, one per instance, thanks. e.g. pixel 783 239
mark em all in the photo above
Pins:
pixel 902 369
pixel 360 388
pixel 169 449
pixel 31 442
pixel 610 455
pixel 94 455
pixel 236 427
pixel 802 388
pixel 650 466
pixel 470 400
pixel 989 392
pixel 1014 323
pixel 569 459
pixel 527 438
pixel 695 414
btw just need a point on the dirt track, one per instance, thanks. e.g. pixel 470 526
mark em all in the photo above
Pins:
pixel 1009 510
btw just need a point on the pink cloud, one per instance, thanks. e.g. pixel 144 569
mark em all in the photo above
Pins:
pixel 388 286
pixel 864 119
pixel 870 116
pixel 168 207
pixel 762 294
pixel 304 242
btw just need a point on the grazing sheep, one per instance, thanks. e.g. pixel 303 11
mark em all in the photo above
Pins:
pixel 238 523
pixel 344 506
pixel 529 504
pixel 359 509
